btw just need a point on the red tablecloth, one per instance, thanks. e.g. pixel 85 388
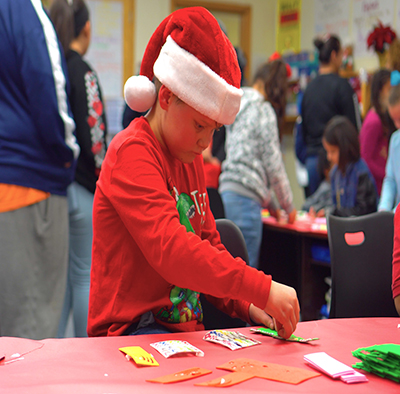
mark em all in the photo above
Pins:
pixel 95 365
pixel 303 225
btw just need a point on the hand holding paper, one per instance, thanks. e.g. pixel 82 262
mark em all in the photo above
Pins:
pixel 283 305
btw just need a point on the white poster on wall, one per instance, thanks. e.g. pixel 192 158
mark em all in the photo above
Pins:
pixel 105 53
pixel 366 14
pixel 333 17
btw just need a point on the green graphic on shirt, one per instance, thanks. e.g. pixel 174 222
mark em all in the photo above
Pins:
pixel 186 304
pixel 186 210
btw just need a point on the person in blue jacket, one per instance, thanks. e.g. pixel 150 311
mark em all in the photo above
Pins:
pixel 354 191
pixel 390 196
pixel 38 152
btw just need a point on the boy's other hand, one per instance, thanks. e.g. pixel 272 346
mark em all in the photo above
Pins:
pixel 283 305
pixel 258 316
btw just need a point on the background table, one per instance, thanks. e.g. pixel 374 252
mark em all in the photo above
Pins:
pixel 286 255
pixel 95 365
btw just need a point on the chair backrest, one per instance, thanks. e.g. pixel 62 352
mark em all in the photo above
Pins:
pixel 361 251
pixel 216 204
pixel 233 240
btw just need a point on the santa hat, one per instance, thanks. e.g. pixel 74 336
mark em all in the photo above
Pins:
pixel 192 57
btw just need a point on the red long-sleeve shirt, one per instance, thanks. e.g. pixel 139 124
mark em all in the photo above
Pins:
pixel 144 258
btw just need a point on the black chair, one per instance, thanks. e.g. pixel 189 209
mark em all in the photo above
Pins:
pixel 233 240
pixel 361 262
pixel 216 204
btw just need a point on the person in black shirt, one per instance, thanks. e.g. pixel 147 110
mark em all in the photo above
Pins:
pixel 326 96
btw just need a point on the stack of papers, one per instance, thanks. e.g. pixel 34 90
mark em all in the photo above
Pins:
pixel 382 360
pixel 335 369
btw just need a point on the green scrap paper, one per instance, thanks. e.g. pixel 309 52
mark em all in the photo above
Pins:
pixel 274 334
pixel 382 360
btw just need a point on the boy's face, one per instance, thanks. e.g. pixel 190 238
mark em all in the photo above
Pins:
pixel 332 152
pixel 184 131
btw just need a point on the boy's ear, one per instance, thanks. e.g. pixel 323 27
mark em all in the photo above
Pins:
pixel 164 97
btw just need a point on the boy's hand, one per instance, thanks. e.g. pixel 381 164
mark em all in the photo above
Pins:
pixel 258 316
pixel 284 307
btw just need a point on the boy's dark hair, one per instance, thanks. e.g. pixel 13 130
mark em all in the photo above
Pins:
pixel 323 163
pixel 342 133
pixel 68 20
pixel 274 77
pixel 379 80
pixel 326 47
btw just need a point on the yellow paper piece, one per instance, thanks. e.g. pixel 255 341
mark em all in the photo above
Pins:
pixel 139 356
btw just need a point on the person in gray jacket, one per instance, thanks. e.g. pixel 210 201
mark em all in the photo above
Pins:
pixel 253 167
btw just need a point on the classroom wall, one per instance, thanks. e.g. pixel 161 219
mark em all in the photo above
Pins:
pixel 149 13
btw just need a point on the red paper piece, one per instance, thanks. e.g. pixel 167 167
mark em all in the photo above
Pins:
pixel 277 372
pixel 227 380
pixel 181 375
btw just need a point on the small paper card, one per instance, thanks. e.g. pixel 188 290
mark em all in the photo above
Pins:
pixel 274 334
pixel 139 356
pixel 355 377
pixel 334 368
pixel 231 339
pixel 181 375
pixel 176 347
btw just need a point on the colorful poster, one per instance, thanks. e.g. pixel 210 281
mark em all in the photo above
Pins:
pixel 288 26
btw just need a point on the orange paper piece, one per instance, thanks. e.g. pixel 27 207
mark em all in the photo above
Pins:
pixel 277 372
pixel 227 380
pixel 181 376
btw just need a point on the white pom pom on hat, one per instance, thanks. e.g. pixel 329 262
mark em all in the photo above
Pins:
pixel 140 93
pixel 193 58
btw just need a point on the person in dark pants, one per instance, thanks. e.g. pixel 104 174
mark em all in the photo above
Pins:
pixel 325 96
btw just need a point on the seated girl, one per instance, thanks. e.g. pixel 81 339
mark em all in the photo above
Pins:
pixel 354 191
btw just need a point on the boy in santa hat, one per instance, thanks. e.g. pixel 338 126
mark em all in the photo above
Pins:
pixel 155 243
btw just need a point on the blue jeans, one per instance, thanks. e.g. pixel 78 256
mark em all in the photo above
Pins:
pixel 313 176
pixel 246 214
pixel 80 202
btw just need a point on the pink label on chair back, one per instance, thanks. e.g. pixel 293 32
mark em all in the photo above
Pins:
pixel 354 239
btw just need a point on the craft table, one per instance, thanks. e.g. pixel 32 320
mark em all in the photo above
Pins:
pixel 286 255
pixel 95 365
